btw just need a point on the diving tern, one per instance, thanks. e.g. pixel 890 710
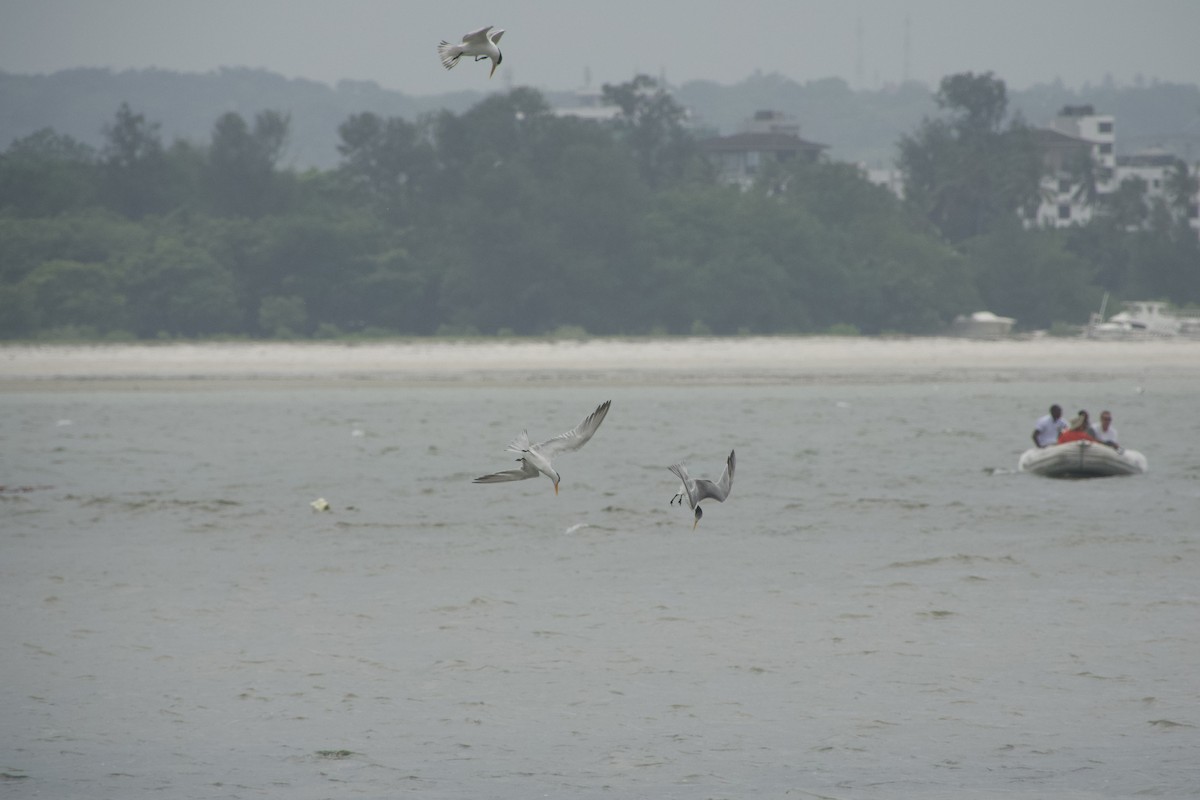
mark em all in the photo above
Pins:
pixel 702 489
pixel 480 44
pixel 535 458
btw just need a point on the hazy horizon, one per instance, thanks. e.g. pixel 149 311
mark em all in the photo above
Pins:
pixel 555 47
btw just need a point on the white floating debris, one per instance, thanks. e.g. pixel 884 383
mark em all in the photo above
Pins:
pixel 62 423
pixel 358 433
pixel 320 504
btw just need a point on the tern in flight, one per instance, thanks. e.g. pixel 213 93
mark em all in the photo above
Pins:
pixel 535 458
pixel 480 44
pixel 702 489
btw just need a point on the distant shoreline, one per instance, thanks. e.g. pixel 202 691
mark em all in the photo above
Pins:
pixel 715 361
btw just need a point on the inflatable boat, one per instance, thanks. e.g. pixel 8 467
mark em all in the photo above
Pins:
pixel 1083 459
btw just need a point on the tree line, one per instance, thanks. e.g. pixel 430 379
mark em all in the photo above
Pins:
pixel 508 219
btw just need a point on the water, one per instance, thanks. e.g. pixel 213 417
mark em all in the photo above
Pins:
pixel 882 609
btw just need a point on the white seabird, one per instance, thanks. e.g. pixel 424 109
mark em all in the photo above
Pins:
pixel 702 489
pixel 535 458
pixel 480 44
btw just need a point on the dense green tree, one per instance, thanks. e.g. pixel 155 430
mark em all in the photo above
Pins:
pixel 322 260
pixel 282 317
pixel 1109 251
pixel 135 168
pixel 78 296
pixel 46 173
pixel 980 102
pixel 506 217
pixel 494 130
pixel 389 162
pixel 1167 253
pixel 1033 276
pixel 92 236
pixel 967 174
pixel 1125 208
pixel 651 123
pixel 18 316
pixel 877 271
pixel 179 289
pixel 242 163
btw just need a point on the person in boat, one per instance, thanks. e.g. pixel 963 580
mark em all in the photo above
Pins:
pixel 1087 423
pixel 1078 431
pixel 1047 429
pixel 1106 433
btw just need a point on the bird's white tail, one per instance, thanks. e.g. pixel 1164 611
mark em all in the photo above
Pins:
pixel 449 54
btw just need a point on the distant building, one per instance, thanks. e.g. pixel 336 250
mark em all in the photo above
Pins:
pixel 1155 167
pixel 589 104
pixel 1099 131
pixel 889 178
pixel 767 136
pixel 1071 190
pixel 1063 199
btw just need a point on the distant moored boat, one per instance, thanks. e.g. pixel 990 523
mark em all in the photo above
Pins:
pixel 982 325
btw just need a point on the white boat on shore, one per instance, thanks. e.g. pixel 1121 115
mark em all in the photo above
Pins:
pixel 1082 459
pixel 1142 319
pixel 982 325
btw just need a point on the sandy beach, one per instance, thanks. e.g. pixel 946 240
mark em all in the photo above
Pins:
pixel 702 360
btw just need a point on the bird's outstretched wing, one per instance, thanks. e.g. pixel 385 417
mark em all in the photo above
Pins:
pixel 526 471
pixel 495 35
pixel 578 436
pixel 519 444
pixel 689 486
pixel 702 488
pixel 720 490
pixel 478 37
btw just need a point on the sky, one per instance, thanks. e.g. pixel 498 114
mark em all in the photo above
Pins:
pixel 563 45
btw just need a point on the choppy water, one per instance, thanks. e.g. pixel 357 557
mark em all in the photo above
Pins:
pixel 883 608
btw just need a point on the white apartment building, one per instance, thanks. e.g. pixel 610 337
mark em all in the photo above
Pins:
pixel 1076 133
pixel 1078 130
pixel 1155 168
pixel 1099 131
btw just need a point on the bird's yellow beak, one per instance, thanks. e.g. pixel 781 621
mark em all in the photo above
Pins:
pixel 494 65
pixel 695 523
pixel 556 488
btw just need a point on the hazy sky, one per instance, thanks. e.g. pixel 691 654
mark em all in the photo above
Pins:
pixel 552 44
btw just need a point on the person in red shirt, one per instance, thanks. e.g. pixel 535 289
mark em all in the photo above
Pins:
pixel 1077 431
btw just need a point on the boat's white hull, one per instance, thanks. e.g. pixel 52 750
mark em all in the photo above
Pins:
pixel 1082 460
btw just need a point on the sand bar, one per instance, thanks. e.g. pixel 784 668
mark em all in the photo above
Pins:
pixel 701 360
